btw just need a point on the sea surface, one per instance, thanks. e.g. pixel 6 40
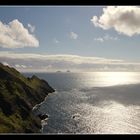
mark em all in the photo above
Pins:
pixel 92 103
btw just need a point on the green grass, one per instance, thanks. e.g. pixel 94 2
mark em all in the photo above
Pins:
pixel 18 95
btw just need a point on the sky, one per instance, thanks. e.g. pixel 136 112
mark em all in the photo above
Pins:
pixel 75 38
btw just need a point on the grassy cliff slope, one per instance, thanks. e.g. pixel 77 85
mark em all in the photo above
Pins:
pixel 18 95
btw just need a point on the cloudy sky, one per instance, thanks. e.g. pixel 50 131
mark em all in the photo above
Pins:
pixel 78 38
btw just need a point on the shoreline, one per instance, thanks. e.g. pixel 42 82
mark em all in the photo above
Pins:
pixel 36 112
pixel 19 96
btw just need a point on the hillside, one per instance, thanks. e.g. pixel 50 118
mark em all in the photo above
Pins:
pixel 18 95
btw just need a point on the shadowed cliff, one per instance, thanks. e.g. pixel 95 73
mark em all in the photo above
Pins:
pixel 18 95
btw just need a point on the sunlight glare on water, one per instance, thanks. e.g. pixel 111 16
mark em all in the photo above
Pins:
pixel 112 78
pixel 110 117
pixel 94 102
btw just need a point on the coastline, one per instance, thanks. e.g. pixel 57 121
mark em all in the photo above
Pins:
pixel 110 102
pixel 18 96
pixel 35 110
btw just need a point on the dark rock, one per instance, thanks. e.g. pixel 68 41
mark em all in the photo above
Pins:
pixel 73 117
pixel 43 116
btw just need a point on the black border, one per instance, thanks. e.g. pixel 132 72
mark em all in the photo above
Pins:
pixel 64 3
pixel 68 2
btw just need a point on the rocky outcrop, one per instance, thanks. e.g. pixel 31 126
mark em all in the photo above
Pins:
pixel 43 116
pixel 18 95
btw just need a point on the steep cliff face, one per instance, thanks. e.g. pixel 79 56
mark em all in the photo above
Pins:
pixel 18 95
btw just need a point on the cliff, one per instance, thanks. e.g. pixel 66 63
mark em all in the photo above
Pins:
pixel 18 95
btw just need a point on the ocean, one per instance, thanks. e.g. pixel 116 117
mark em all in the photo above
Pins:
pixel 92 103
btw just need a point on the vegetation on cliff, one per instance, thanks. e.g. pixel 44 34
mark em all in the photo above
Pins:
pixel 18 95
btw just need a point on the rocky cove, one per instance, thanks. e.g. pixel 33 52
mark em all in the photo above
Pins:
pixel 18 97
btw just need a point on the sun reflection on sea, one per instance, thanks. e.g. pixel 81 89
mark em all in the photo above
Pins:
pixel 94 103
pixel 111 117
pixel 112 78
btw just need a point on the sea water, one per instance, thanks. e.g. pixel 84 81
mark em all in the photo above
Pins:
pixel 92 102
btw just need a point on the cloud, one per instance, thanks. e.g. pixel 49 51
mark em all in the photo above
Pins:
pixel 48 67
pixel 31 62
pixel 15 35
pixel 5 63
pixel 20 66
pixel 73 35
pixel 17 66
pixel 31 27
pixel 105 38
pixel 99 39
pixel 57 58
pixel 108 37
pixel 124 19
pixel 56 41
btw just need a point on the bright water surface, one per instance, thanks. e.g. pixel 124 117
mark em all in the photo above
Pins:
pixel 94 102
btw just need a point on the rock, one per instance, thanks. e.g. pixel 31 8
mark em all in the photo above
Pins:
pixel 76 116
pixel 43 116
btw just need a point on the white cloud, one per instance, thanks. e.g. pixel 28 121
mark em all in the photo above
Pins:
pixel 44 62
pixel 15 35
pixel 56 41
pixel 60 57
pixel 17 65
pixel 5 63
pixel 73 35
pixel 23 66
pixel 49 67
pixel 31 27
pixel 108 37
pixel 20 66
pixel 105 38
pixel 124 19
pixel 100 39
